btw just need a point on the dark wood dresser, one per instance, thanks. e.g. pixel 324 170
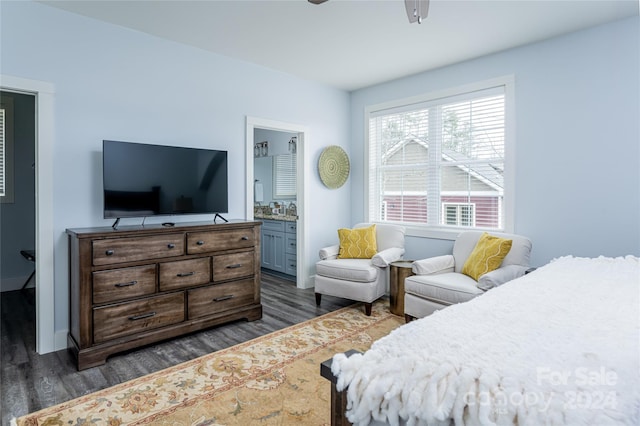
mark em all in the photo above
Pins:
pixel 138 285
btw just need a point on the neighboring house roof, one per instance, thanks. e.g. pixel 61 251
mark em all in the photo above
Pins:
pixel 489 174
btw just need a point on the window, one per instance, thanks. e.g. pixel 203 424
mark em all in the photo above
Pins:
pixel 438 162
pixel 6 150
pixel 284 176
pixel 3 190
pixel 459 214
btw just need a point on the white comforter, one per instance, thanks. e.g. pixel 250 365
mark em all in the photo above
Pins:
pixel 557 346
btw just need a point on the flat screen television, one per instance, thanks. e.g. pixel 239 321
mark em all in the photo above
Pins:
pixel 142 180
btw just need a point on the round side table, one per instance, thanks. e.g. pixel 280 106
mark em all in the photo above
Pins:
pixel 398 271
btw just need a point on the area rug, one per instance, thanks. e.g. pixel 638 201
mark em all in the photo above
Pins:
pixel 272 380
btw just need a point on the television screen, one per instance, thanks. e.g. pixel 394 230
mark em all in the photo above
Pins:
pixel 148 180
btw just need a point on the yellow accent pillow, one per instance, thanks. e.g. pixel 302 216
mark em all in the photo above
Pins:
pixel 486 256
pixel 357 243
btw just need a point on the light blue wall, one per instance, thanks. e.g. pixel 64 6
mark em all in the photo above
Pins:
pixel 577 176
pixel 114 83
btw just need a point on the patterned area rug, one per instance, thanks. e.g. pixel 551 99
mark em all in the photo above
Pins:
pixel 272 380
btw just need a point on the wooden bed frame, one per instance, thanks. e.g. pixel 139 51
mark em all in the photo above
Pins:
pixel 338 399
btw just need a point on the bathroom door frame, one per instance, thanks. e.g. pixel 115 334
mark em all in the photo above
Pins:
pixel 47 338
pixel 302 279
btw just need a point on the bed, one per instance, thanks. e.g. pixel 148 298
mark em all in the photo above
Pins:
pixel 557 346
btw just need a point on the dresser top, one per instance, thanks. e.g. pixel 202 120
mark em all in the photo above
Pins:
pixel 106 231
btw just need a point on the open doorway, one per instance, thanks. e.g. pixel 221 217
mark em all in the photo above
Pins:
pixel 46 338
pixel 17 190
pixel 293 147
pixel 17 216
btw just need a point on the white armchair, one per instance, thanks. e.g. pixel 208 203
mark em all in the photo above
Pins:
pixel 363 280
pixel 439 282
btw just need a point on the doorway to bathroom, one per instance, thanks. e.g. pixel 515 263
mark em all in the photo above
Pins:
pixel 275 199
pixel 275 195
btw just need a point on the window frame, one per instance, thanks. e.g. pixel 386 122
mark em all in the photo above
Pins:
pixel 430 231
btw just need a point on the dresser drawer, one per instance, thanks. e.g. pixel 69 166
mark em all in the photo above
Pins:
pixel 230 266
pixel 219 297
pixel 185 273
pixel 203 242
pixel 132 249
pixel 123 283
pixel 111 322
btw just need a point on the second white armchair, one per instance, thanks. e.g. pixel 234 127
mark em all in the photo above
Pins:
pixel 439 281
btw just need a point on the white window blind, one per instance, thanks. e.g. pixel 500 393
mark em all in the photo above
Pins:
pixel 3 191
pixel 284 178
pixel 439 163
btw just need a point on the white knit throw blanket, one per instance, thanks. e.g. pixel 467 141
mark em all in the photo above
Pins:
pixel 559 346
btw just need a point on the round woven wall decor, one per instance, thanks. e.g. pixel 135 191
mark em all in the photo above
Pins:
pixel 333 166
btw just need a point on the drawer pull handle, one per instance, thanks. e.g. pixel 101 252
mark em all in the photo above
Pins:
pixel 109 252
pixel 245 238
pixel 200 243
pixel 292 244
pixel 143 316
pixel 171 245
pixel 186 274
pixel 235 266
pixel 222 298
pixel 130 283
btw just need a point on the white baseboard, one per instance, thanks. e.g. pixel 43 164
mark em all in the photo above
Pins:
pixel 60 340
pixel 310 282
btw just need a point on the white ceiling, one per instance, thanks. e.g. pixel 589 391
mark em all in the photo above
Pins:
pixel 350 44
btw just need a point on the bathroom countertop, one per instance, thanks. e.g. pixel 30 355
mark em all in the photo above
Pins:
pixel 275 217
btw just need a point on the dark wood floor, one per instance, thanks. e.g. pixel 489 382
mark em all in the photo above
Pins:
pixel 30 382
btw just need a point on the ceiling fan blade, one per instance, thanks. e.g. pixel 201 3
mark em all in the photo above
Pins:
pixel 417 10
pixel 317 1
